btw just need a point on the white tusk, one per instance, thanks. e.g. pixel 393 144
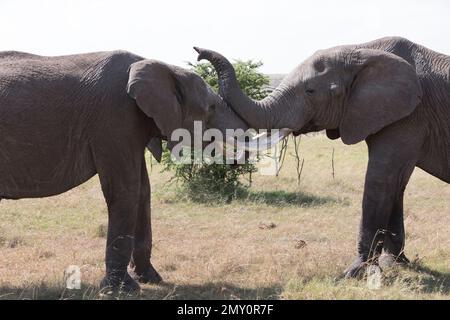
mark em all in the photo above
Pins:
pixel 257 143
pixel 263 142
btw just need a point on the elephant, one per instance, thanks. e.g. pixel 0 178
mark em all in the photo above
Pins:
pixel 390 92
pixel 64 119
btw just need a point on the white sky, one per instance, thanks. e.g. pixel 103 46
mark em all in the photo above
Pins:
pixel 281 33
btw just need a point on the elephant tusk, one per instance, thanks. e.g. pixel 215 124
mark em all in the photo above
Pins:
pixel 263 141
pixel 258 143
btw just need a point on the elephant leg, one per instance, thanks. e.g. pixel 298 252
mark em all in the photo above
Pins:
pixel 120 183
pixel 391 163
pixel 377 207
pixel 142 251
pixel 394 240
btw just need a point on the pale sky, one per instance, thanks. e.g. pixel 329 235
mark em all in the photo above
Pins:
pixel 280 33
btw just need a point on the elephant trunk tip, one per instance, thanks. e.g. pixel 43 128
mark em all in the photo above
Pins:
pixel 202 53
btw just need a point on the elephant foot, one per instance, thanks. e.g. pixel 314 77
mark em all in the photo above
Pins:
pixel 388 260
pixel 356 269
pixel 148 275
pixel 122 283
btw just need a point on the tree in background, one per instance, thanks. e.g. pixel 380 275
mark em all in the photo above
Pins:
pixel 220 182
pixel 252 82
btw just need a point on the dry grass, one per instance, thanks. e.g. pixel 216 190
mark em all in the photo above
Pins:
pixel 208 251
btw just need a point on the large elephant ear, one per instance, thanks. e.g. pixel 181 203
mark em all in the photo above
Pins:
pixel 385 89
pixel 158 93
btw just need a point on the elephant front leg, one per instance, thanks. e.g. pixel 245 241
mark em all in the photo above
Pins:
pixel 120 186
pixel 382 219
pixel 119 245
pixel 394 240
pixel 393 154
pixel 141 263
pixel 377 206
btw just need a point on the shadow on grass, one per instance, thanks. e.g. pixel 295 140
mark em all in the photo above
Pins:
pixel 164 291
pixel 283 198
pixel 432 280
pixel 223 196
pixel 220 291
pixel 44 291
pixel 419 278
pixel 422 280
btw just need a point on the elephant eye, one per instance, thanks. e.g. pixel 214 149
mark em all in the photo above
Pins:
pixel 309 92
pixel 211 110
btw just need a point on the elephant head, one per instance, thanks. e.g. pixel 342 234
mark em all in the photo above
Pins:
pixel 349 91
pixel 174 98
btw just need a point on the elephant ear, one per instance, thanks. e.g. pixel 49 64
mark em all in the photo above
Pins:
pixel 384 90
pixel 157 90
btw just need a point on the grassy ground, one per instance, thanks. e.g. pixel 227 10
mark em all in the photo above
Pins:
pixel 281 242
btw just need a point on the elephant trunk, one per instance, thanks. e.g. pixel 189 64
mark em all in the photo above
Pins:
pixel 276 111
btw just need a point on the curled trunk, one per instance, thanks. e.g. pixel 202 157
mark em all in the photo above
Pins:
pixel 276 111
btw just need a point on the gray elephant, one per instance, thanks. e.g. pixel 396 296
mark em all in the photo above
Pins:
pixel 392 93
pixel 65 119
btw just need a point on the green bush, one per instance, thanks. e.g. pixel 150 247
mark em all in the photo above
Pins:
pixel 252 82
pixel 219 182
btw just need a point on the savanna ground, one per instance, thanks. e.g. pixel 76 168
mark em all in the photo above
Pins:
pixel 280 241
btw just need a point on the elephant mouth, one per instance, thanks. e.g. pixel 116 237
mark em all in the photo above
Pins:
pixel 309 127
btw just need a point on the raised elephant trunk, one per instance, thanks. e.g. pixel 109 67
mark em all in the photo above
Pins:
pixel 273 112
